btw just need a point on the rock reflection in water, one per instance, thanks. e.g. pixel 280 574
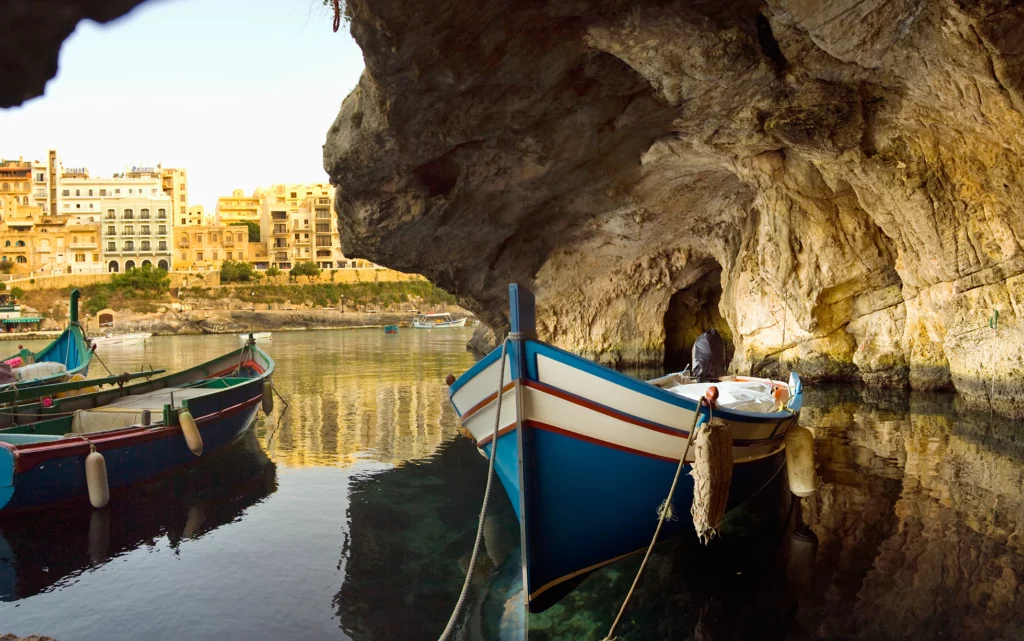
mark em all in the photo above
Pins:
pixel 41 549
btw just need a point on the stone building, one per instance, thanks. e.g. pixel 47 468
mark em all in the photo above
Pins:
pixel 206 247
pixel 44 244
pixel 237 208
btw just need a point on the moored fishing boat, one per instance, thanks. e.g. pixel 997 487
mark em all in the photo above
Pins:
pixel 139 430
pixel 587 454
pixel 137 338
pixel 259 337
pixel 391 329
pixel 65 357
pixel 437 321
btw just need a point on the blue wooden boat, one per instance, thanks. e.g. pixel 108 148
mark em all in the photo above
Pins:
pixel 391 329
pixel 599 450
pixel 67 356
pixel 140 430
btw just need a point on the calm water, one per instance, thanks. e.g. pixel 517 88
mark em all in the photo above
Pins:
pixel 351 514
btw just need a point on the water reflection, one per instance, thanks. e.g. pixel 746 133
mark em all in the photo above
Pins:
pixel 50 547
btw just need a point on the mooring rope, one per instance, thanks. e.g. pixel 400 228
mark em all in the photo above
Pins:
pixel 664 513
pixel 457 612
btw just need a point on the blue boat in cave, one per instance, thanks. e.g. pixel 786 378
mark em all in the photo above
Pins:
pixel 139 430
pixel 67 357
pixel 600 449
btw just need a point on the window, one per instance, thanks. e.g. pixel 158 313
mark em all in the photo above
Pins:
pixel 144 214
pixel 183 222
pixel 129 245
pixel 90 192
pixel 67 206
pixel 129 214
pixel 239 236
pixel 183 209
pixel 323 241
pixel 161 213
pixel 79 258
pixel 145 230
pixel 90 205
pixel 129 230
pixel 229 256
pixel 78 205
pixel 131 191
pixel 162 230
pixel 111 246
pixel 103 192
pixel 323 228
pixel 95 258
pixel 21 259
pixel 323 212
pixel 78 192
pixel 117 191
pixel 199 255
pixel 184 255
pixel 163 245
pixel 40 178
pixel 145 246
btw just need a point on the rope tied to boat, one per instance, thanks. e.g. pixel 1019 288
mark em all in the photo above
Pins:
pixel 665 513
pixel 450 629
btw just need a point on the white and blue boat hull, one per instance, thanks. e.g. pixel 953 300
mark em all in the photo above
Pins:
pixel 600 450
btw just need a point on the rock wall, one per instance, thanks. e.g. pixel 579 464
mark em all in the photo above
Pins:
pixel 851 169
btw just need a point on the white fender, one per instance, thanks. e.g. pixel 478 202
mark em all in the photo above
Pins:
pixel 96 479
pixel 803 480
pixel 191 431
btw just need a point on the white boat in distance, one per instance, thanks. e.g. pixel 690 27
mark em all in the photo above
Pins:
pixel 109 340
pixel 432 321
pixel 259 337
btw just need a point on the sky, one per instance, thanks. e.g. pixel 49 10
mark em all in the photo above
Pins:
pixel 240 93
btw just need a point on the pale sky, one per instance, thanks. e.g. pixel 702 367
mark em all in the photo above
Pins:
pixel 240 93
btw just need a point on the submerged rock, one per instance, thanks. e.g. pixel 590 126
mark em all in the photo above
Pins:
pixel 837 184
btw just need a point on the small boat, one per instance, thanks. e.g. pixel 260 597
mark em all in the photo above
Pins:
pixel 139 430
pixel 109 340
pixel 437 321
pixel 587 454
pixel 259 337
pixel 67 356
pixel 391 329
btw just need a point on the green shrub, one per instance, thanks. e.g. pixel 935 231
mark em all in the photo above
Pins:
pixel 307 269
pixel 236 272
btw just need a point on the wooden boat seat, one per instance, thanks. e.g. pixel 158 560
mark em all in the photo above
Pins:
pixel 127 411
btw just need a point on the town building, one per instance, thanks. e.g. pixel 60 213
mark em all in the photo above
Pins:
pixel 137 231
pixel 206 247
pixel 38 243
pixel 196 215
pixel 175 185
pixel 237 208
pixel 299 224
pixel 16 180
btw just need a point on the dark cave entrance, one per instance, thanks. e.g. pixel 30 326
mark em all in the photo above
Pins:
pixel 692 311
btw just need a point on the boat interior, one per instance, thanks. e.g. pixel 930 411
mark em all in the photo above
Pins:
pixel 734 392
pixel 126 412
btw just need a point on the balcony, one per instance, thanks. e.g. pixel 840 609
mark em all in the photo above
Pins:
pixel 183 244
pixel 84 244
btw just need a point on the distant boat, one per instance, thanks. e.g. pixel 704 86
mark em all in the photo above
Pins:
pixel 68 355
pixel 121 339
pixel 437 321
pixel 259 337
pixel 391 329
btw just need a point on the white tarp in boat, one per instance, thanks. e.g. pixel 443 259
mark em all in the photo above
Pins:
pixel 38 370
pixel 746 396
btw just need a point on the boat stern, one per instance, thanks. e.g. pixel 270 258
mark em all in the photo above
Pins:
pixel 7 466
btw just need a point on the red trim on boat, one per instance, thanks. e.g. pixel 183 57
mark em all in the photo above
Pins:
pixel 588 439
pixel 502 432
pixel 30 455
pixel 249 363
pixel 493 396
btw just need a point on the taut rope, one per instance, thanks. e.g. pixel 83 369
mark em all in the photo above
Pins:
pixel 664 513
pixel 449 629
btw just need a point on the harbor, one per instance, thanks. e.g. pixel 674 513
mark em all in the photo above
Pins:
pixel 352 513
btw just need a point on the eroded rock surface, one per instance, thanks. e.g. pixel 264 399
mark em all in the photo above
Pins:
pixel 32 36
pixel 844 178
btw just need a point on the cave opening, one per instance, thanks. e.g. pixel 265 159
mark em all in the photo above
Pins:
pixel 691 311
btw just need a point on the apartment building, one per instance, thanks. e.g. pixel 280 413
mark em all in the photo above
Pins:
pixel 45 244
pixel 237 208
pixel 175 185
pixel 206 247
pixel 137 231
pixel 299 224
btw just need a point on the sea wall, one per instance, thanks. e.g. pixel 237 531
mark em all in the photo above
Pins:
pixel 836 186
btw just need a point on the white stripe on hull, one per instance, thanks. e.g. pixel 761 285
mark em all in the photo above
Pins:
pixel 481 386
pixel 481 423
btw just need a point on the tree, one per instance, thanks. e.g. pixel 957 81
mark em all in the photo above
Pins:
pixel 334 272
pixel 6 266
pixel 141 282
pixel 17 293
pixel 254 229
pixel 236 272
pixel 273 272
pixel 307 269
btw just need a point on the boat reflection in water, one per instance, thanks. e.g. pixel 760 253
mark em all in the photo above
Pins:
pixel 54 546
pixel 916 532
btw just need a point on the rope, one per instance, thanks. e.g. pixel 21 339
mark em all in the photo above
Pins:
pixel 102 363
pixel 449 629
pixel 270 438
pixel 664 513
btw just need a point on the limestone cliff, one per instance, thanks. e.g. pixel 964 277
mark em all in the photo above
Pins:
pixel 836 184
